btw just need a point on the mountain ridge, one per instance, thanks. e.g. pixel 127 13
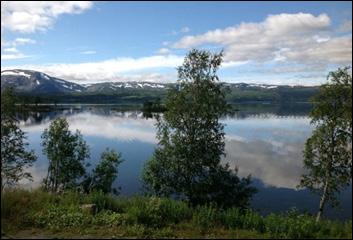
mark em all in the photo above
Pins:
pixel 18 78
pixel 50 89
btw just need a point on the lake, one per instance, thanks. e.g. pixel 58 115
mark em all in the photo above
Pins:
pixel 263 140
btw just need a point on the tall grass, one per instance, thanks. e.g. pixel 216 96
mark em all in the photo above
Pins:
pixel 49 211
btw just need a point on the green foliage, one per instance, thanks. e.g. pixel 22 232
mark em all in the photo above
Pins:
pixel 328 152
pixel 15 158
pixel 334 100
pixel 147 217
pixel 104 174
pixel 58 217
pixel 232 218
pixel 206 216
pixel 16 204
pixel 69 198
pixel 157 212
pixel 191 140
pixel 109 218
pixel 66 153
pixel 102 201
pixel 153 106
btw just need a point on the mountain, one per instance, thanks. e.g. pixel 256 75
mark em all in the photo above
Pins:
pixel 51 89
pixel 112 87
pixel 26 81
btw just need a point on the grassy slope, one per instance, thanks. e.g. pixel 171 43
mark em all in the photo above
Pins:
pixel 40 215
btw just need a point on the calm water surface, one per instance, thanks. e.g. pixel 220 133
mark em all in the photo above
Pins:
pixel 265 141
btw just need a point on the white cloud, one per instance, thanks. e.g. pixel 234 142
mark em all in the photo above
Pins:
pixel 337 50
pixel 32 16
pixel 185 29
pixel 346 26
pixel 13 56
pixel 233 64
pixel 163 51
pixel 23 41
pixel 181 30
pixel 306 39
pixel 18 42
pixel 11 50
pixel 108 70
pixel 321 39
pixel 89 52
pixel 12 53
pixel 274 26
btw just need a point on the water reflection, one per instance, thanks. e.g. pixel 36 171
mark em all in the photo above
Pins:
pixel 279 166
pixel 126 126
pixel 266 145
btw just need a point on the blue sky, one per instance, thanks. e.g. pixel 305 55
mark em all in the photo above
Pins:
pixel 263 42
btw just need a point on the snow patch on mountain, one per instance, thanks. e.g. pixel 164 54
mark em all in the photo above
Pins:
pixel 13 73
pixel 44 76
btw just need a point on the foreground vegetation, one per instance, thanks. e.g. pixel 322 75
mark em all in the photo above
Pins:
pixel 61 215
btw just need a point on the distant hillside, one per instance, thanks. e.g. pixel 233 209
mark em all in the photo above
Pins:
pixel 26 81
pixel 114 87
pixel 39 87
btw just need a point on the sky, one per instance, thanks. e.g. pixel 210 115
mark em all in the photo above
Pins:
pixel 292 43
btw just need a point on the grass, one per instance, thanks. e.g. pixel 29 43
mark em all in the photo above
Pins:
pixel 41 214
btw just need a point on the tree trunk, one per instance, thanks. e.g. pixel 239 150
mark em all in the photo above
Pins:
pixel 322 201
pixel 56 176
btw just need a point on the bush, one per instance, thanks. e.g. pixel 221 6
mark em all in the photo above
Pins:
pixel 157 212
pixel 109 218
pixel 232 218
pixel 103 201
pixel 141 216
pixel 147 213
pixel 253 221
pixel 139 231
pixel 56 217
pixel 17 204
pixel 206 216
pixel 69 198
pixel 236 218
pixel 174 211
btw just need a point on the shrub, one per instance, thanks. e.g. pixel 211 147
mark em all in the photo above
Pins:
pixel 157 212
pixel 109 218
pixel 146 213
pixel 174 211
pixel 236 218
pixel 103 201
pixel 253 221
pixel 138 231
pixel 206 216
pixel 69 198
pixel 232 218
pixel 17 204
pixel 56 217
pixel 141 216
